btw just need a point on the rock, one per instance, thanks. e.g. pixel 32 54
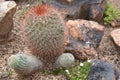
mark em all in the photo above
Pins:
pixel 101 70
pixel 7 10
pixel 115 23
pixel 65 60
pixel 1 1
pixel 115 34
pixel 83 37
pixel 77 9
pixel 65 2
pixel 3 75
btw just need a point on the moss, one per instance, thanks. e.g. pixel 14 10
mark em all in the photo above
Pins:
pixel 111 13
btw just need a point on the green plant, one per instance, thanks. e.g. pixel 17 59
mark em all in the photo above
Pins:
pixel 110 13
pixel 25 9
pixel 78 72
pixel 40 1
pixel 44 32
pixel 9 72
pixel 24 64
pixel 65 60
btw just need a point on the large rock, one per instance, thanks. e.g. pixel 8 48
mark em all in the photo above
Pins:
pixel 101 70
pixel 115 34
pixel 7 10
pixel 83 37
pixel 85 9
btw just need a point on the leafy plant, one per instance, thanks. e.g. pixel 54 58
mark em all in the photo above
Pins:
pixel 9 72
pixel 79 72
pixel 110 13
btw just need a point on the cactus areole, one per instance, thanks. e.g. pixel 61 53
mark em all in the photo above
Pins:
pixel 44 32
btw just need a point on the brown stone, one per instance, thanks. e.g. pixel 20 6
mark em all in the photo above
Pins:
pixel 115 34
pixel 80 9
pixel 7 10
pixel 83 37
pixel 115 23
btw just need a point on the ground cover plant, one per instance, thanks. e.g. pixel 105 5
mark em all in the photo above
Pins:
pixel 77 72
pixel 110 13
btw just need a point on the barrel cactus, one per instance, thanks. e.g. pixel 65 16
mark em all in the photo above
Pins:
pixel 44 32
pixel 24 64
pixel 65 60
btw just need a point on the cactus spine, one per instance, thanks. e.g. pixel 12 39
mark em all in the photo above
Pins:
pixel 44 32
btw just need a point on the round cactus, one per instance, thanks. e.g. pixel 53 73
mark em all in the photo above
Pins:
pixel 24 64
pixel 44 32
pixel 65 60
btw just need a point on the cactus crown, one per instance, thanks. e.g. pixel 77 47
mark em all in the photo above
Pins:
pixel 44 31
pixel 41 10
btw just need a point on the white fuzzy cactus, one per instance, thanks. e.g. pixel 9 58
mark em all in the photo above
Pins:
pixel 24 64
pixel 65 60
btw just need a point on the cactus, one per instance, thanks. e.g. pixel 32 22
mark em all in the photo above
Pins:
pixel 65 60
pixel 44 32
pixel 24 64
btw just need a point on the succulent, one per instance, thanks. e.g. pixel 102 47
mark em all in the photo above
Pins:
pixel 44 32
pixel 65 60
pixel 24 64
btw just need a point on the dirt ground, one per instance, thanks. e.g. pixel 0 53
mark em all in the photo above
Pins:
pixel 107 51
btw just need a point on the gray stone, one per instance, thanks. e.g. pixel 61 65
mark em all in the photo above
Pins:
pixel 7 10
pixel 83 37
pixel 77 9
pixel 101 70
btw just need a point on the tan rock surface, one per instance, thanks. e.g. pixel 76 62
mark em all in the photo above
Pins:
pixel 7 10
pixel 115 34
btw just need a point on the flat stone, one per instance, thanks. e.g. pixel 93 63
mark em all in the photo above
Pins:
pixel 83 37
pixel 7 10
pixel 101 70
pixel 80 9
pixel 115 34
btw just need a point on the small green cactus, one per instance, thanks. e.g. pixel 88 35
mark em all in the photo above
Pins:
pixel 44 33
pixel 65 60
pixel 24 64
